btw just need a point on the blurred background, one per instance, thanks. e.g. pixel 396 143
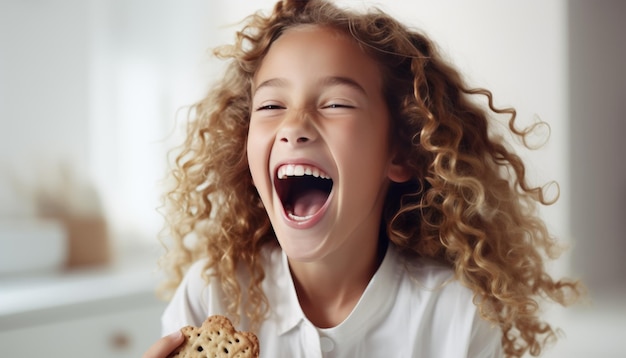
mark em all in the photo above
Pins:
pixel 93 95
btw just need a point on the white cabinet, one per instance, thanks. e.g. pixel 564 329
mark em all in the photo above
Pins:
pixel 111 311
pixel 127 332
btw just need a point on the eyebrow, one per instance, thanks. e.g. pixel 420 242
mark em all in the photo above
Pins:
pixel 324 82
pixel 273 82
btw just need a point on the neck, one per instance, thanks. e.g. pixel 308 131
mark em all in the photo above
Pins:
pixel 328 291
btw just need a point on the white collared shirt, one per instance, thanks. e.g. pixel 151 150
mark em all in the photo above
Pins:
pixel 411 309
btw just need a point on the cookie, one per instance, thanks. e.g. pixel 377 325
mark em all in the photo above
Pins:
pixel 216 338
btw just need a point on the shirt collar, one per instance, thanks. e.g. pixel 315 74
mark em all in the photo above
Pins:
pixel 372 307
pixel 285 300
pixel 376 301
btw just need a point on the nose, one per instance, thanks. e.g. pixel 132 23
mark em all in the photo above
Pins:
pixel 297 129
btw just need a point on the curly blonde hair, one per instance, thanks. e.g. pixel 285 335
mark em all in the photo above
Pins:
pixel 468 203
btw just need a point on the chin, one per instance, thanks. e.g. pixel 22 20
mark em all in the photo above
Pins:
pixel 303 249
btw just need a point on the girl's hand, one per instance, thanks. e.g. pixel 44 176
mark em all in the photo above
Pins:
pixel 164 346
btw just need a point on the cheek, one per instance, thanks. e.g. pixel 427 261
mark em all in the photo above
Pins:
pixel 370 140
pixel 254 157
pixel 373 156
pixel 257 148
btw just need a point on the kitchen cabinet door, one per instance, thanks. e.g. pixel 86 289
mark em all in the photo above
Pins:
pixel 127 333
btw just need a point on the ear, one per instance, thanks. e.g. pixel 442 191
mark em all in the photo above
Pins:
pixel 398 171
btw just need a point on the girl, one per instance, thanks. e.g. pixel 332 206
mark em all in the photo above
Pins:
pixel 341 194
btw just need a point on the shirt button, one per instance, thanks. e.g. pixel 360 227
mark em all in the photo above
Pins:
pixel 327 344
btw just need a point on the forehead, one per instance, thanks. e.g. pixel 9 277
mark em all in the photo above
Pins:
pixel 310 50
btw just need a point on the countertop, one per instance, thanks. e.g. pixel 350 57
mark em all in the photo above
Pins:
pixel 38 298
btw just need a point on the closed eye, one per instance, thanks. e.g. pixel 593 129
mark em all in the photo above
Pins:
pixel 337 105
pixel 269 107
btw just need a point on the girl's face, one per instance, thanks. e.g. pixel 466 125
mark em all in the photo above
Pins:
pixel 318 144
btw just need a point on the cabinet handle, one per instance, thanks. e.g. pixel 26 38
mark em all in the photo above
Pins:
pixel 120 341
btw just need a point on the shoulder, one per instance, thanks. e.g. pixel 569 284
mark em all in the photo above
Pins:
pixel 200 294
pixel 199 276
pixel 432 289
pixel 442 305
pixel 188 306
pixel 197 270
pixel 428 275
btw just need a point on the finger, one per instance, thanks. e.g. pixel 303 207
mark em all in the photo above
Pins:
pixel 164 346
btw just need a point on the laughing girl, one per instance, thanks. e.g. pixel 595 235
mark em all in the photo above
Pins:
pixel 340 194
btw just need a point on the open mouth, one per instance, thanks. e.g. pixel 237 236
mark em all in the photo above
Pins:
pixel 302 189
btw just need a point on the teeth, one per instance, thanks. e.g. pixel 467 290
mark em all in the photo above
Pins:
pixel 295 217
pixel 299 218
pixel 298 170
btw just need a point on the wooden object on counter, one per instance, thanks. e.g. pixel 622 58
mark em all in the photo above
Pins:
pixel 88 241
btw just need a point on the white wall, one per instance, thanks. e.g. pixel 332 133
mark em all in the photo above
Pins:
pixel 44 98
pixel 89 89
pixel 147 61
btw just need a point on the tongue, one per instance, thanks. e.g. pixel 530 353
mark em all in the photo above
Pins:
pixel 309 202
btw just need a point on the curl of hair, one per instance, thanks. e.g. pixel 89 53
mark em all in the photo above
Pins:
pixel 468 204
